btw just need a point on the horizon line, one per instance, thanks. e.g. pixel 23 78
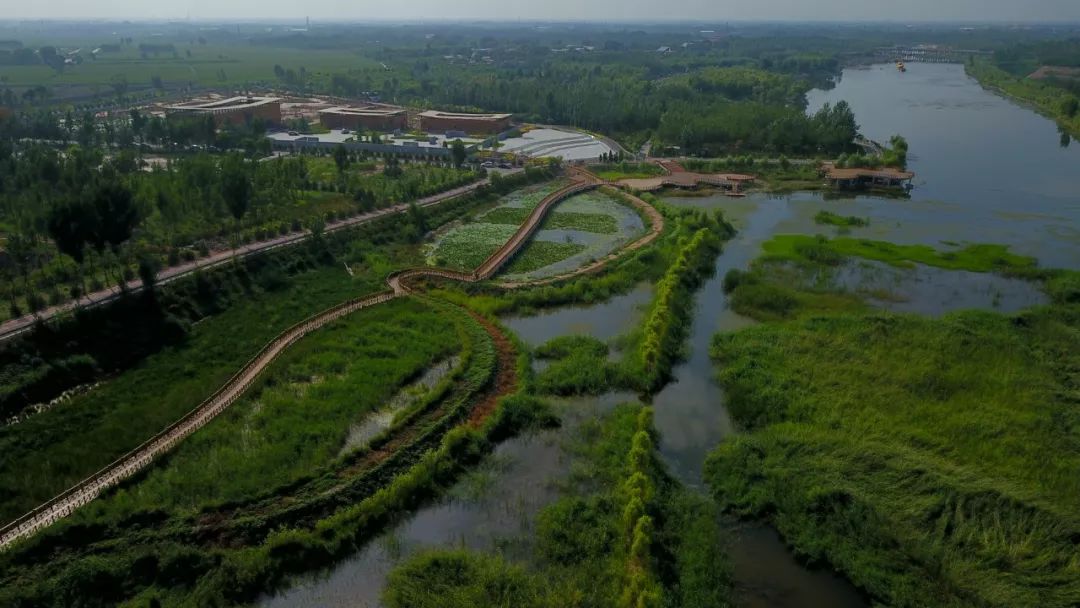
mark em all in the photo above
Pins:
pixel 536 20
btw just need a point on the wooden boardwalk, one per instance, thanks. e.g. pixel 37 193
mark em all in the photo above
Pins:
pixel 14 327
pixel 85 491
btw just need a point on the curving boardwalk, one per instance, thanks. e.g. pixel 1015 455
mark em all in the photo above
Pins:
pixel 656 222
pixel 85 491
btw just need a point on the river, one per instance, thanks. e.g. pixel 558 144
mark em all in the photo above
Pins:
pixel 988 171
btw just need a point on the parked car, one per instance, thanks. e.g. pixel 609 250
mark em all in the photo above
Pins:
pixel 293 134
pixel 505 166
pixel 488 165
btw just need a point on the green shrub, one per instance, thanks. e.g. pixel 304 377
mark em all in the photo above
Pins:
pixel 461 579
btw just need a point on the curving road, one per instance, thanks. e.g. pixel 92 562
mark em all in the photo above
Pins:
pixel 85 491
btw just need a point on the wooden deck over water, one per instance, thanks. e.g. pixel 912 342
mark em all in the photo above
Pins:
pixel 885 176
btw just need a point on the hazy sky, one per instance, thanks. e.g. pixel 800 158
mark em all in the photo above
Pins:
pixel 602 10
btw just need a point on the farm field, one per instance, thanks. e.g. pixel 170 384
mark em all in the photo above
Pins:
pixel 208 65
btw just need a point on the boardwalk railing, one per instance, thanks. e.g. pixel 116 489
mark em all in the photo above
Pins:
pixel 130 463
pixel 532 223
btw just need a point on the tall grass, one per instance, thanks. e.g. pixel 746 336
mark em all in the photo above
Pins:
pixel 296 420
pixel 933 461
pixel 975 258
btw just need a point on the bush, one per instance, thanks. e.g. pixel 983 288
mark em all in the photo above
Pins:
pixel 460 579
pixel 564 346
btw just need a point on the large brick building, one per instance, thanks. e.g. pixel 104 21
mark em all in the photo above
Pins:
pixel 372 118
pixel 234 110
pixel 434 121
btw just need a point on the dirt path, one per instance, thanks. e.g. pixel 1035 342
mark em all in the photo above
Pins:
pixel 85 491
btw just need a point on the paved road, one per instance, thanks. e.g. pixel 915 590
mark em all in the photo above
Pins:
pixel 85 491
pixel 14 327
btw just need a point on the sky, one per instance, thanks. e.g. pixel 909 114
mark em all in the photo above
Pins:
pixel 555 10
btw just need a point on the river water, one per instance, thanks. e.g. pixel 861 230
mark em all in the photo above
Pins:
pixel 988 171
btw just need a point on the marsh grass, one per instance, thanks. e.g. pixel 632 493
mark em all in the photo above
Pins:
pixel 298 417
pixel 92 429
pixel 974 258
pixel 600 223
pixel 586 554
pixel 467 246
pixel 933 461
pixel 832 219
pixel 153 556
pixel 580 366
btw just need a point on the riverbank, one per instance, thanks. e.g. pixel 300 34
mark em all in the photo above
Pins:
pixel 1045 99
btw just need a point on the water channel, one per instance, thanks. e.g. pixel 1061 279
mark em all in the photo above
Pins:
pixel 988 171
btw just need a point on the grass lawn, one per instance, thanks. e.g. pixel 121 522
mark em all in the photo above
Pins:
pixel 615 172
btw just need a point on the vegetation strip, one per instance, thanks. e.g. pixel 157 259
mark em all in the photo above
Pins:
pixel 974 258
pixel 667 320
pixel 623 534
